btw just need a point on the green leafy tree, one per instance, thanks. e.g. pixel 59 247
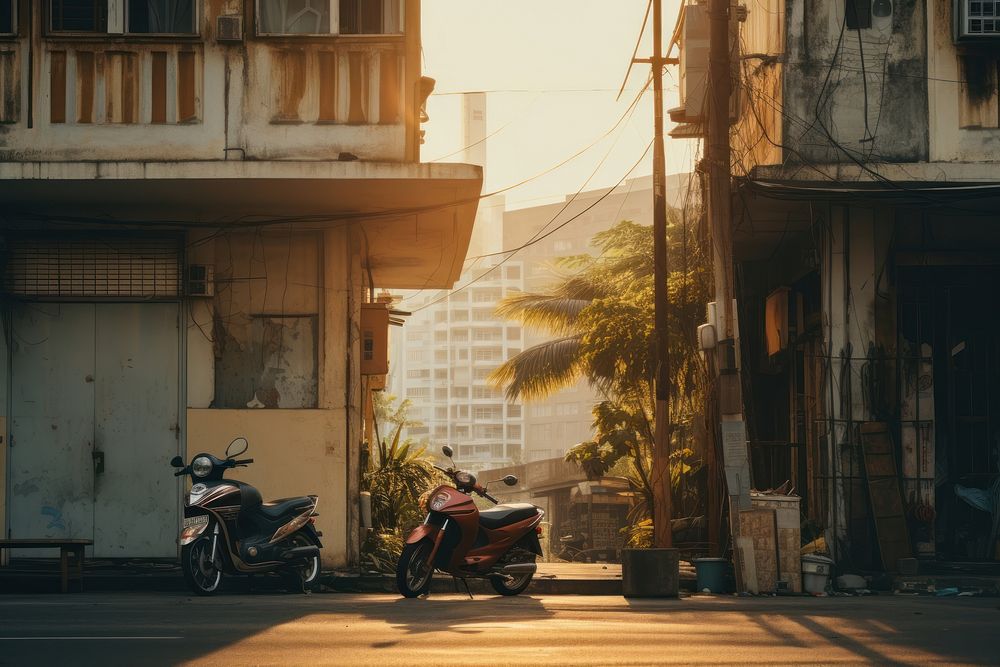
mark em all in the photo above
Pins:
pixel 600 316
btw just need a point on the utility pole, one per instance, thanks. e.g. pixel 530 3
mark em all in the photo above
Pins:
pixel 733 428
pixel 662 512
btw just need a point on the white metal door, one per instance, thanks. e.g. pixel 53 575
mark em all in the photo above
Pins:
pixel 94 423
pixel 52 421
pixel 136 430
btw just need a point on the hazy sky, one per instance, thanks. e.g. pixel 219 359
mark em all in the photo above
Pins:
pixel 551 70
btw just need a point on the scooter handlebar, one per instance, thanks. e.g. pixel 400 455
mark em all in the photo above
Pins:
pixel 243 462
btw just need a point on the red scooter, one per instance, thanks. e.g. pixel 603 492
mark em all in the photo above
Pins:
pixel 499 544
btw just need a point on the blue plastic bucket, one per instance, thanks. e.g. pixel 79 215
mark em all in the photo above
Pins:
pixel 711 573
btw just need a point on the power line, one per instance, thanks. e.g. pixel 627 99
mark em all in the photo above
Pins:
pixel 638 41
pixel 552 231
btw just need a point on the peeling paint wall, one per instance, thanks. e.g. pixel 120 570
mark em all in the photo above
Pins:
pixel 963 94
pixel 305 276
pixel 265 320
pixel 160 98
pixel 844 94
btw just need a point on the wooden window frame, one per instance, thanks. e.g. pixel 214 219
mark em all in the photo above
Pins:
pixel 334 25
pixel 13 21
pixel 120 29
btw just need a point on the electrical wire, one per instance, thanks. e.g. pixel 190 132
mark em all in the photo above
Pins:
pixel 553 231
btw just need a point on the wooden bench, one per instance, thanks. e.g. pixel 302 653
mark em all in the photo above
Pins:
pixel 70 555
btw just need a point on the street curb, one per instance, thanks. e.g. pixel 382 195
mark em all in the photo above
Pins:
pixel 446 584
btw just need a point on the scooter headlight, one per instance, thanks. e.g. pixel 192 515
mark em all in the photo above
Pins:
pixel 201 466
pixel 439 501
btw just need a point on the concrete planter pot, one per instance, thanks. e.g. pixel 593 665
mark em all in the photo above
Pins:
pixel 650 573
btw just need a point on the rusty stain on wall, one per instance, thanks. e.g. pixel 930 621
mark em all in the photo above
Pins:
pixel 10 87
pixel 57 86
pixel 977 104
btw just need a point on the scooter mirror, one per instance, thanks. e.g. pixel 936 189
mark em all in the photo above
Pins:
pixel 447 451
pixel 510 480
pixel 243 441
pixel 177 462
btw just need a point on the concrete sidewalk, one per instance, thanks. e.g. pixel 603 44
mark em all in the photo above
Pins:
pixel 551 579
pixel 42 576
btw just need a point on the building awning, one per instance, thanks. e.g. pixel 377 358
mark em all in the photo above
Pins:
pixel 417 219
pixel 775 204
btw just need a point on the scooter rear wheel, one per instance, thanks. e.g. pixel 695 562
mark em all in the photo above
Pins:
pixel 202 574
pixel 512 585
pixel 305 576
pixel 414 569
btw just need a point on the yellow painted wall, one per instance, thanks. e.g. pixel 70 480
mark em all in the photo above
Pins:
pixel 295 452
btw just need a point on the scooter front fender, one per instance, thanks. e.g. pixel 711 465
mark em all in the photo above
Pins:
pixel 193 528
pixel 422 531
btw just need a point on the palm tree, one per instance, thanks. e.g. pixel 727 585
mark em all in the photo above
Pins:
pixel 600 316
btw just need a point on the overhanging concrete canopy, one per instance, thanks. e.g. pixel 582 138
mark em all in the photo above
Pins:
pixel 416 219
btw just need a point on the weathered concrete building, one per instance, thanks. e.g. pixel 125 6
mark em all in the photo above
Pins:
pixel 868 263
pixel 197 200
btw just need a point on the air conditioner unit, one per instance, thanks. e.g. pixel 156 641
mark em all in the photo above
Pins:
pixel 229 28
pixel 200 280
pixel 976 20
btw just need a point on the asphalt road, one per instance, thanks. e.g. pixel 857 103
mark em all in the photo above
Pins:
pixel 339 629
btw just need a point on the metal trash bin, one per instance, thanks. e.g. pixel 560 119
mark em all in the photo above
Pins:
pixel 816 571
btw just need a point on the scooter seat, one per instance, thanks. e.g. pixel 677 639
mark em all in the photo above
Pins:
pixel 277 509
pixel 504 515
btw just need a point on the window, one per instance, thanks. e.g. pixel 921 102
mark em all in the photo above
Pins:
pixel 512 273
pixel 461 431
pixel 482 373
pixel 485 392
pixel 6 17
pixel 440 373
pixel 326 17
pixel 514 411
pixel 441 356
pixel 486 296
pixel 441 413
pixel 459 392
pixel 488 412
pixel 418 373
pixel 441 336
pixel 415 355
pixel 562 246
pixel 78 15
pixel 460 316
pixel 513 333
pixel 487 354
pixel 482 315
pixel 369 17
pixel 441 394
pixel 418 392
pixel 143 17
pixel 440 316
pixel 514 432
pixel 293 17
pixel 170 17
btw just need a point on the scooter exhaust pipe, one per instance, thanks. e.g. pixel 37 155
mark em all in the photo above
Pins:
pixel 301 552
pixel 519 568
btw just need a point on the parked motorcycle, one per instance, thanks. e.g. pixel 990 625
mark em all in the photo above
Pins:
pixel 228 529
pixel 499 544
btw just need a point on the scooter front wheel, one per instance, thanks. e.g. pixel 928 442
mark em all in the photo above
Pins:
pixel 414 569
pixel 202 573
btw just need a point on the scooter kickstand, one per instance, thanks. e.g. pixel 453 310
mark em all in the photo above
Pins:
pixel 466 582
